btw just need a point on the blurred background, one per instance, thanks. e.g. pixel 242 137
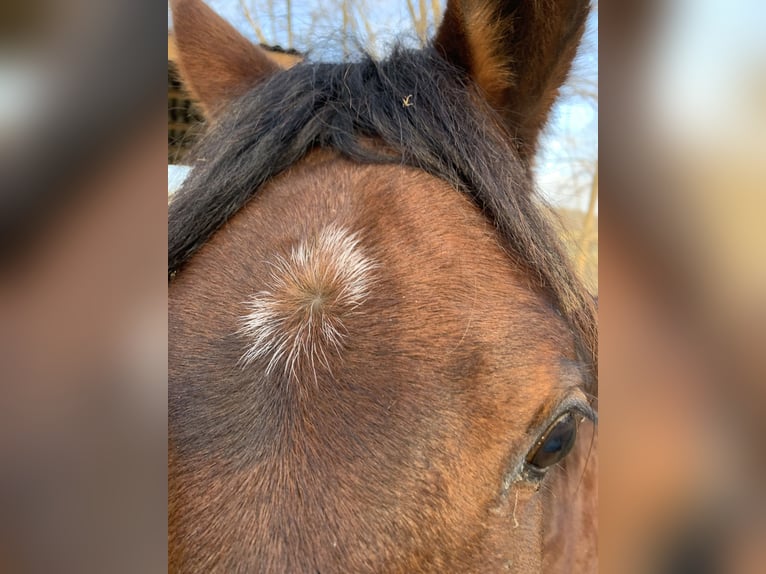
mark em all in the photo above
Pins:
pixel 680 244
pixel 683 286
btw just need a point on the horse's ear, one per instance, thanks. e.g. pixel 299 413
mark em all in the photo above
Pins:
pixel 217 63
pixel 518 52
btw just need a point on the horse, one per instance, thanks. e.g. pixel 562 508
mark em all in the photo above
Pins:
pixel 380 358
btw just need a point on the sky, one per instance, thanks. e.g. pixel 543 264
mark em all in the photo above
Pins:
pixel 570 145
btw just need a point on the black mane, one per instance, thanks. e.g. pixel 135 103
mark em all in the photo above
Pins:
pixel 427 116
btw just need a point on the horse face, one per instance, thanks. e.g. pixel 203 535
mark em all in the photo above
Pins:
pixel 417 372
pixel 361 378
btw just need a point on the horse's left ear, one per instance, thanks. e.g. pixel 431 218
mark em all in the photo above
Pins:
pixel 217 63
pixel 518 52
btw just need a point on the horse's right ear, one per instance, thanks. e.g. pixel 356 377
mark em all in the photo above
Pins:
pixel 217 63
pixel 518 52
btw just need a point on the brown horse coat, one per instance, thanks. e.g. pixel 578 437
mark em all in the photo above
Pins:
pixel 362 361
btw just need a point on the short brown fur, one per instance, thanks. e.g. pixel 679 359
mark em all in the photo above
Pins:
pixel 418 489
pixel 408 452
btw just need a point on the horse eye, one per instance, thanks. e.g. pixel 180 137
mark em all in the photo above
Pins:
pixel 555 443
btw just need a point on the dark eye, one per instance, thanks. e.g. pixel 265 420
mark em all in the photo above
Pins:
pixel 555 443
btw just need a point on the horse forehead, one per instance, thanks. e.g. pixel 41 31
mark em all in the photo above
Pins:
pixel 335 213
pixel 388 230
pixel 331 243
pixel 337 209
pixel 390 279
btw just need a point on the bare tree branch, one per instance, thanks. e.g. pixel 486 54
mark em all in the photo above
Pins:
pixel 585 234
pixel 436 9
pixel 253 23
pixel 289 23
pixel 411 9
pixel 422 24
